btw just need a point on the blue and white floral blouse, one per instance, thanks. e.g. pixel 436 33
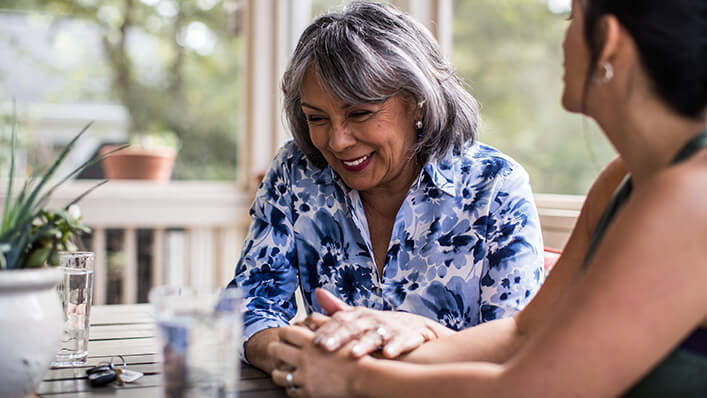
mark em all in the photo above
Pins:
pixel 465 247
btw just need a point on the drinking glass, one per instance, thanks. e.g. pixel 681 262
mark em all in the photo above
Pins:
pixel 76 294
pixel 200 339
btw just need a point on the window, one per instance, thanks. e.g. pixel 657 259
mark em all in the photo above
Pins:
pixel 510 54
pixel 158 65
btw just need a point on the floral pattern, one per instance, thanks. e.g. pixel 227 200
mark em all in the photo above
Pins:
pixel 466 246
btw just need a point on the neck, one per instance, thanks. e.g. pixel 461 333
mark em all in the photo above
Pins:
pixel 385 200
pixel 647 134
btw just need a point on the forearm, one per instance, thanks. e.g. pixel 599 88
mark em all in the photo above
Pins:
pixel 385 378
pixel 494 341
pixel 256 349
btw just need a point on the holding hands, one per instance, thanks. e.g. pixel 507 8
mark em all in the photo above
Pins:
pixel 305 370
pixel 307 349
pixel 367 330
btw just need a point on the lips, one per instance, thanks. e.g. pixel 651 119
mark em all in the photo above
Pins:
pixel 357 164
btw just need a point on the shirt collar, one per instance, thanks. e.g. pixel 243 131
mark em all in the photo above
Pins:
pixel 443 172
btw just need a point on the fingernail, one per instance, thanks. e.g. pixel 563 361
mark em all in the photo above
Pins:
pixel 331 343
pixel 318 340
pixel 357 350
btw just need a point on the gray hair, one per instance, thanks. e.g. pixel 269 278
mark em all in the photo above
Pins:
pixel 368 53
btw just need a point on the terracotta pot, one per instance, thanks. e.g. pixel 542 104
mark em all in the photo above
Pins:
pixel 32 322
pixel 139 164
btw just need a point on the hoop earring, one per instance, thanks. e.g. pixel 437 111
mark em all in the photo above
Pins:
pixel 607 74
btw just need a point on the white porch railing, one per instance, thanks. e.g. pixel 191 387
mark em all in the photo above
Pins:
pixel 198 229
pixel 558 214
pixel 211 218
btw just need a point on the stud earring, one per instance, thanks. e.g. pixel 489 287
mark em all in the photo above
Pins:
pixel 607 74
pixel 418 124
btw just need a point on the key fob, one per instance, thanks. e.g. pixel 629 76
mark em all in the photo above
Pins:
pixel 101 378
pixel 99 368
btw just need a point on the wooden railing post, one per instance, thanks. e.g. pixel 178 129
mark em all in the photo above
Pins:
pixel 100 274
pixel 129 291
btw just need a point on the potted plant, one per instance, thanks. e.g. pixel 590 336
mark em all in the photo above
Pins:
pixel 31 237
pixel 150 156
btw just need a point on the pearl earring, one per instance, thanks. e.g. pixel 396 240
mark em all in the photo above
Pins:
pixel 418 124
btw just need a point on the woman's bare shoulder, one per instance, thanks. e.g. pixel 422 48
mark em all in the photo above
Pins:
pixel 601 192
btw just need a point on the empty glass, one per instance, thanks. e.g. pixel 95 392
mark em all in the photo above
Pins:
pixel 199 337
pixel 76 294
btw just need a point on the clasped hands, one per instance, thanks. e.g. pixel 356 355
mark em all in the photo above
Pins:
pixel 320 342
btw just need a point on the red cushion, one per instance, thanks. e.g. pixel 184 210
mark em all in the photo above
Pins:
pixel 550 258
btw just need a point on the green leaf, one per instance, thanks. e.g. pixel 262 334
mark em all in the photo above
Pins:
pixel 93 188
pixel 38 257
pixel 85 164
pixel 54 258
pixel 4 248
pixel 13 148
pixel 30 205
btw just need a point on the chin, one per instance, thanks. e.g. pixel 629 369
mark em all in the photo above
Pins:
pixel 570 104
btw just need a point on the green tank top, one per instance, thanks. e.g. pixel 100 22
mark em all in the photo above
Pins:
pixel 683 373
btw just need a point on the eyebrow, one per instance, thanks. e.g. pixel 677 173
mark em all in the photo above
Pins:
pixel 344 106
pixel 311 106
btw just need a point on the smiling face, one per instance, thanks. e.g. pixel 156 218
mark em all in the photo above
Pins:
pixel 368 145
pixel 576 60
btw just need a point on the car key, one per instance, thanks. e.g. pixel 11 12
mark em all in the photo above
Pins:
pixel 101 376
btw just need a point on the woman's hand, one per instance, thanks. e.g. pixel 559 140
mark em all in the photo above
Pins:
pixel 313 321
pixel 369 330
pixel 305 370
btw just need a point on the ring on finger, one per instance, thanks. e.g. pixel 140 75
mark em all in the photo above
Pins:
pixel 290 379
pixel 382 332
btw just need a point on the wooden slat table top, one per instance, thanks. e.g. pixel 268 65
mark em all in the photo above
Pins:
pixel 129 330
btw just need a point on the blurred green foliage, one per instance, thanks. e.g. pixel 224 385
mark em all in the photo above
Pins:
pixel 508 51
pixel 510 54
pixel 191 92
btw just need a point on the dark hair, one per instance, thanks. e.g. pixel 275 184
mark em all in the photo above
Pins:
pixel 366 54
pixel 671 37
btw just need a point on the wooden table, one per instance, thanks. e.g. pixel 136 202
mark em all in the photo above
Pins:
pixel 129 330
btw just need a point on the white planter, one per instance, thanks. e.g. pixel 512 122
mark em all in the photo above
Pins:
pixel 31 324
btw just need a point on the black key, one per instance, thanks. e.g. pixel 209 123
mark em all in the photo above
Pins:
pixel 101 378
pixel 99 368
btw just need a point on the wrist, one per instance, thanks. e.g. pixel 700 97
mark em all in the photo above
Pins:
pixel 256 349
pixel 363 375
pixel 438 329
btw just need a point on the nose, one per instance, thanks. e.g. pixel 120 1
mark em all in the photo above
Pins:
pixel 340 137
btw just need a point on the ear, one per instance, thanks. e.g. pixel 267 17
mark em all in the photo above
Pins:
pixel 412 105
pixel 612 32
pixel 329 303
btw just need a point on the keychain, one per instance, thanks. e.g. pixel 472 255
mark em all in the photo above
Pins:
pixel 106 373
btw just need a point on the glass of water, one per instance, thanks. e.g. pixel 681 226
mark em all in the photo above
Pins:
pixel 200 339
pixel 76 294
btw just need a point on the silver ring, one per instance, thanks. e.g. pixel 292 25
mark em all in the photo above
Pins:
pixel 290 379
pixel 382 333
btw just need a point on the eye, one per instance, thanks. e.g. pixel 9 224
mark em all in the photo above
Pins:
pixel 360 115
pixel 315 119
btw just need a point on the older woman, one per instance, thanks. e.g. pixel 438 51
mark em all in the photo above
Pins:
pixel 624 311
pixel 384 198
